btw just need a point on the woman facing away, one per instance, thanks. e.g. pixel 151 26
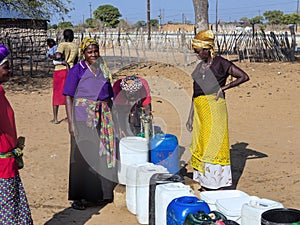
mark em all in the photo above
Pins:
pixel 14 207
pixel 89 93
pixel 208 114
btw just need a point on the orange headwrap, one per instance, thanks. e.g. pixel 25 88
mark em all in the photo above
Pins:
pixel 204 39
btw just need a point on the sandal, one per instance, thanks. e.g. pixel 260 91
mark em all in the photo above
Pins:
pixel 78 205
pixel 54 121
pixel 63 120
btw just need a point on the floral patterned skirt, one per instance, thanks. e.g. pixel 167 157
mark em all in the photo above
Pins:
pixel 14 208
pixel 214 176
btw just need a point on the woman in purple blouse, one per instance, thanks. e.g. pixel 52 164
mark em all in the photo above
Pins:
pixel 89 95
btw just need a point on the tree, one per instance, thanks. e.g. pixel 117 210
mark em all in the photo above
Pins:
pixel 290 19
pixel 154 22
pixel 91 23
pixel 54 26
pixel 37 9
pixel 273 17
pixel 201 14
pixel 108 14
pixel 244 20
pixel 123 25
pixel 256 20
pixel 65 25
pixel 140 23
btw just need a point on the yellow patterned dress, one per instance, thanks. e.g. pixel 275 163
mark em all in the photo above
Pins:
pixel 210 145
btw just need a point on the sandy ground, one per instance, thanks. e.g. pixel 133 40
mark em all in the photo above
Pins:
pixel 263 126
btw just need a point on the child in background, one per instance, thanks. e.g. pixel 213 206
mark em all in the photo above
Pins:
pixel 52 47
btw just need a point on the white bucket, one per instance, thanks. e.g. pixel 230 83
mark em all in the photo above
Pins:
pixel 232 207
pixel 133 150
pixel 143 176
pixel 131 184
pixel 251 211
pixel 210 197
pixel 164 194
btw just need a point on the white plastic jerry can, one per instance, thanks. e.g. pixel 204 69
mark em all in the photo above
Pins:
pixel 251 211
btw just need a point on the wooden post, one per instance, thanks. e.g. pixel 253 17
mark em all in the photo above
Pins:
pixel 293 45
pixel 148 24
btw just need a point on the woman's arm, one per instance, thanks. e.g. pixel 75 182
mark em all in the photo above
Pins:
pixel 69 110
pixel 239 74
pixel 147 109
pixel 66 64
pixel 189 123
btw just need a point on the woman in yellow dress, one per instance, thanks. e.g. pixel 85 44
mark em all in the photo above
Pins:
pixel 208 114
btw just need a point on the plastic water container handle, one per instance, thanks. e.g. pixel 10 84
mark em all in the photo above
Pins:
pixel 254 202
pixel 259 203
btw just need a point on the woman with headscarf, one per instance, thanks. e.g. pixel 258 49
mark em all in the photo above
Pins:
pixel 208 114
pixel 88 101
pixel 131 100
pixel 14 207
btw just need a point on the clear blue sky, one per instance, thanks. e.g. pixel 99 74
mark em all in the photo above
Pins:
pixel 176 10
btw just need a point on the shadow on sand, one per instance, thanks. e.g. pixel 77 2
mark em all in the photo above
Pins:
pixel 239 154
pixel 72 216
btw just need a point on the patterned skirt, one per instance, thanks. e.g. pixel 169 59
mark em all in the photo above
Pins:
pixel 14 208
pixel 210 143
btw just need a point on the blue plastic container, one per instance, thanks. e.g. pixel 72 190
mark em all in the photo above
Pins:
pixel 164 151
pixel 179 208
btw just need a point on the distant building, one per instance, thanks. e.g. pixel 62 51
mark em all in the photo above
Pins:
pixel 26 40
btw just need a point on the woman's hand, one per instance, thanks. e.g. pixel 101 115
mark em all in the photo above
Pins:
pixel 189 125
pixel 69 107
pixel 220 94
pixel 72 129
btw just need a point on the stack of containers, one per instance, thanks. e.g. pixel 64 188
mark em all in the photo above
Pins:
pixel 227 202
pixel 133 150
pixel 164 194
pixel 131 186
pixel 158 179
pixel 144 174
pixel 211 197
pixel 239 206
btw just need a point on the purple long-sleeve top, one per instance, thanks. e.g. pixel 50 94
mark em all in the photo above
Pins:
pixel 82 83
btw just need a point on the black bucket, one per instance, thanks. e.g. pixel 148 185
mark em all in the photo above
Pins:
pixel 281 216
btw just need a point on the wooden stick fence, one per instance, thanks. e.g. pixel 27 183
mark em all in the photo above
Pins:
pixel 123 49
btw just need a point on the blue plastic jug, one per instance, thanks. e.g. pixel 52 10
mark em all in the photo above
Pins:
pixel 164 151
pixel 179 208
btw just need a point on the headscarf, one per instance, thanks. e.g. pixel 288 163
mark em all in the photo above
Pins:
pixel 131 84
pixel 3 54
pixel 204 39
pixel 87 41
